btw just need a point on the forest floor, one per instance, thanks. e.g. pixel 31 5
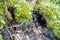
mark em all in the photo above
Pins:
pixel 34 31
pixel 31 33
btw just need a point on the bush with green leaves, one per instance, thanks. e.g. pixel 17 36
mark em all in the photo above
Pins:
pixel 22 11
pixel 2 15
pixel 55 1
pixel 52 13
